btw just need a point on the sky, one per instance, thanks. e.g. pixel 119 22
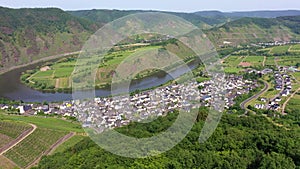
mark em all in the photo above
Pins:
pixel 163 5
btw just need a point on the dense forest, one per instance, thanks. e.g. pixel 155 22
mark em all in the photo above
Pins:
pixel 238 142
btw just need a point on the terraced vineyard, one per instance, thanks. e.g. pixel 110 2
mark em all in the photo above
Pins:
pixel 289 60
pixel 31 148
pixel 10 131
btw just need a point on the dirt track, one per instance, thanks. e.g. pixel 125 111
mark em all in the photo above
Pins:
pixel 51 149
pixel 20 138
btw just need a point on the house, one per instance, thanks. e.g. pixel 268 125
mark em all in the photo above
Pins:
pixel 259 106
pixel 263 99
pixel 277 99
pixel 285 93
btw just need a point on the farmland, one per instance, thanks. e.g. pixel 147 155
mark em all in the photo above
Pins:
pixel 11 130
pixel 235 64
pixel 270 61
pixel 288 60
pixel 295 48
pixel 42 122
pixel 57 76
pixel 255 61
pixel 280 49
pixel 231 64
pixel 33 146
pixel 6 163
pixel 49 130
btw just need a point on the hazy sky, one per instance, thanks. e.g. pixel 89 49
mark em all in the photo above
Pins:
pixel 167 5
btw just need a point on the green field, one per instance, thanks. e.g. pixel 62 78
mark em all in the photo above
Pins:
pixel 254 60
pixel 33 146
pixel 297 76
pixel 270 61
pixel 280 49
pixel 296 47
pixel 46 122
pixel 288 60
pixel 10 130
pixel 69 143
pixel 231 64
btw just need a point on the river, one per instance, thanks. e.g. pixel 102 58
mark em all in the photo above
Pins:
pixel 12 88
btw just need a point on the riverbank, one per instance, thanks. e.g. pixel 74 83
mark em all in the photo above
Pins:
pixel 45 59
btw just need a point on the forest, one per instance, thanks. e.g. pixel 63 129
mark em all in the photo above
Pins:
pixel 238 142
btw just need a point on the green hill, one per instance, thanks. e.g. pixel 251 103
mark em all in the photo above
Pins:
pixel 104 16
pixel 27 35
pixel 253 30
pixel 245 142
pixel 30 34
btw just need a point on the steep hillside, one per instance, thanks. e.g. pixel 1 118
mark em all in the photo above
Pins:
pixel 30 34
pixel 257 14
pixel 252 30
pixel 104 16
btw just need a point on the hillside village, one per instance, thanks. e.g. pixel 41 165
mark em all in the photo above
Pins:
pixel 120 110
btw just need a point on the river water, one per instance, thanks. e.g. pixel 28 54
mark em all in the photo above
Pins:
pixel 12 88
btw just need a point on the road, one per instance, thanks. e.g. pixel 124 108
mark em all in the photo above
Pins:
pixel 19 139
pixel 244 103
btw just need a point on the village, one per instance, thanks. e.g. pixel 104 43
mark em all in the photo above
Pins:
pixel 110 112
pixel 282 84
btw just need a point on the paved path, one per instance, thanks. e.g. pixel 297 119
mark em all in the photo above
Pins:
pixel 244 103
pixel 19 139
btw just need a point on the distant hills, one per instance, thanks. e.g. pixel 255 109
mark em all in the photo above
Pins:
pixel 251 30
pixel 256 14
pixel 30 34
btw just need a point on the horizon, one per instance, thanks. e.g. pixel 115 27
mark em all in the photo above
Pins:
pixel 188 6
pixel 158 10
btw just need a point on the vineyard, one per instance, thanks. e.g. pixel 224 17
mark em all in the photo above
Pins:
pixel 10 131
pixel 31 148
